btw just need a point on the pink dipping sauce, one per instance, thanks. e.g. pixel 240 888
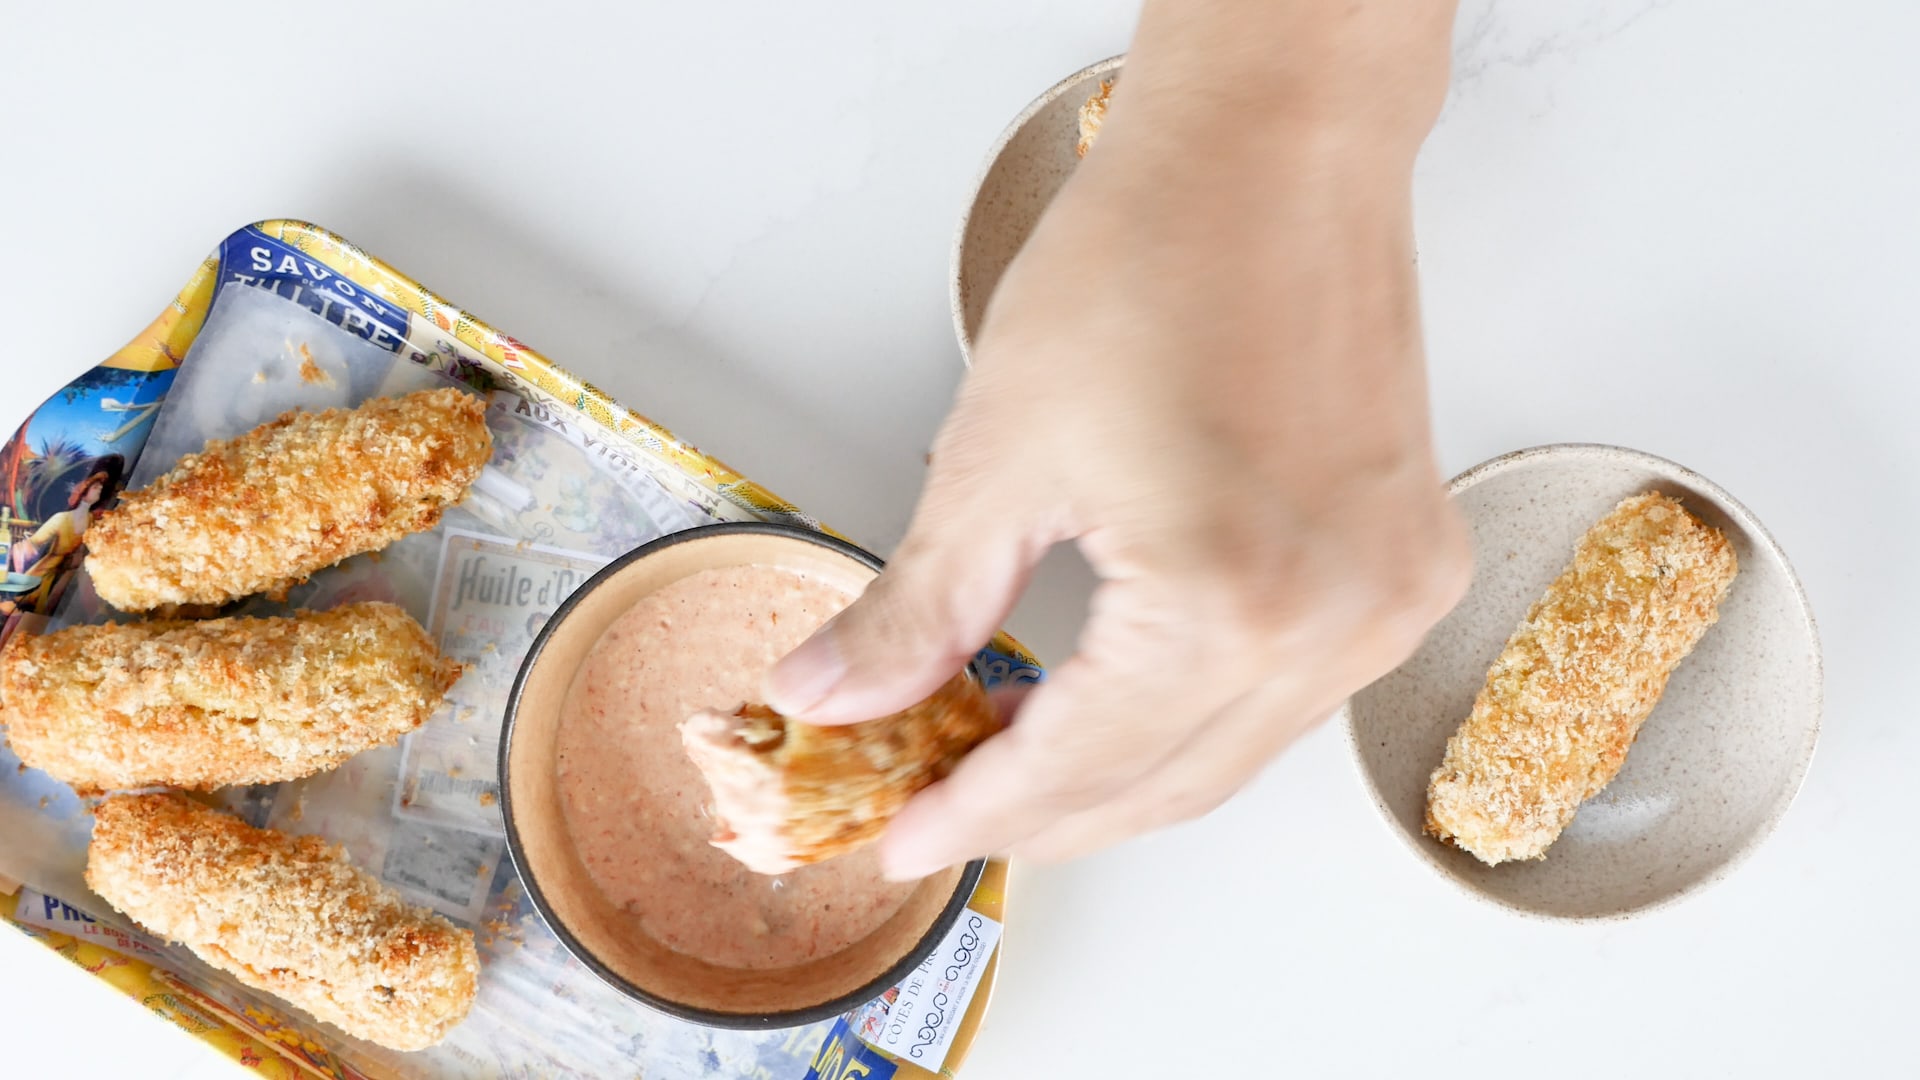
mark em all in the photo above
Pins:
pixel 636 807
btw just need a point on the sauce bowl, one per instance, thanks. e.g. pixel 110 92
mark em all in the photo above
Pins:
pixel 592 928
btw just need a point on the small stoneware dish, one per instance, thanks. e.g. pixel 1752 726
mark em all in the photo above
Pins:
pixel 1716 764
pixel 1025 170
pixel 589 925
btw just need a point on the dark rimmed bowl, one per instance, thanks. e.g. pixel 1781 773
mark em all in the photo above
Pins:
pixel 557 882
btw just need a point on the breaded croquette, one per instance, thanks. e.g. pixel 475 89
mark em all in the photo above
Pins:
pixel 290 915
pixel 262 512
pixel 786 794
pixel 226 701
pixel 1093 113
pixel 1565 699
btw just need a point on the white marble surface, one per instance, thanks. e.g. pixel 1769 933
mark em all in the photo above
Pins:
pixel 1687 227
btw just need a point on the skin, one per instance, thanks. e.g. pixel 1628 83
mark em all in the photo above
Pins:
pixel 1206 369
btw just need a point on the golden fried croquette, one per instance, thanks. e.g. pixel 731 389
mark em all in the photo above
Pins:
pixel 262 512
pixel 290 915
pixel 1566 697
pixel 786 794
pixel 226 701
pixel 1093 113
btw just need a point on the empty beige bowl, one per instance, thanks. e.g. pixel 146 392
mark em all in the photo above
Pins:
pixel 1024 171
pixel 1714 767
pixel 597 932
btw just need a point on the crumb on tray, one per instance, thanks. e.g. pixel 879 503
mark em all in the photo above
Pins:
pixel 311 372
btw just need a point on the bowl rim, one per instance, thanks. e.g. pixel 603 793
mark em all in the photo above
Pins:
pixel 958 248
pixel 949 914
pixel 1796 779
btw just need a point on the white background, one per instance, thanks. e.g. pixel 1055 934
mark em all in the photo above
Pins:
pixel 1687 227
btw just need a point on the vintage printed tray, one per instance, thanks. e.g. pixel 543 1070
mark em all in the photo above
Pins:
pixel 576 479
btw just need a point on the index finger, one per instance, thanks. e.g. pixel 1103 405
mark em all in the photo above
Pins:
pixel 1079 739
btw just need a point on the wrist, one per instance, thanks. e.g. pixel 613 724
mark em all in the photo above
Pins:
pixel 1329 86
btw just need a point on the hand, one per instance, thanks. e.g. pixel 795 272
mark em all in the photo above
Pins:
pixel 1206 368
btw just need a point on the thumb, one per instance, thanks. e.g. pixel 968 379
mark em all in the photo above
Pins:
pixel 952 583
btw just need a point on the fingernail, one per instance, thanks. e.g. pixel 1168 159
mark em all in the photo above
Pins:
pixel 807 675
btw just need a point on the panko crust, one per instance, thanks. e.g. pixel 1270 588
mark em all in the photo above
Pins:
pixel 1565 699
pixel 262 512
pixel 290 915
pixel 1093 113
pixel 787 794
pixel 206 704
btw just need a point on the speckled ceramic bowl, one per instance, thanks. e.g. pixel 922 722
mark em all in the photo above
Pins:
pixel 1024 171
pixel 1716 764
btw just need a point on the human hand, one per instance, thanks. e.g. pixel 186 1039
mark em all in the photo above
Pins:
pixel 1206 368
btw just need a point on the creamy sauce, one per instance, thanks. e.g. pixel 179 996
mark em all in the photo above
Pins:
pixel 637 808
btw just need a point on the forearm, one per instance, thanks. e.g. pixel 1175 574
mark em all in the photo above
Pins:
pixel 1248 207
pixel 1266 147
pixel 1359 78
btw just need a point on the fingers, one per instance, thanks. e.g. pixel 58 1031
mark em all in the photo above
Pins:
pixel 1237 740
pixel 974 542
pixel 1080 739
pixel 920 622
pixel 1002 792
pixel 980 809
pixel 1209 769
